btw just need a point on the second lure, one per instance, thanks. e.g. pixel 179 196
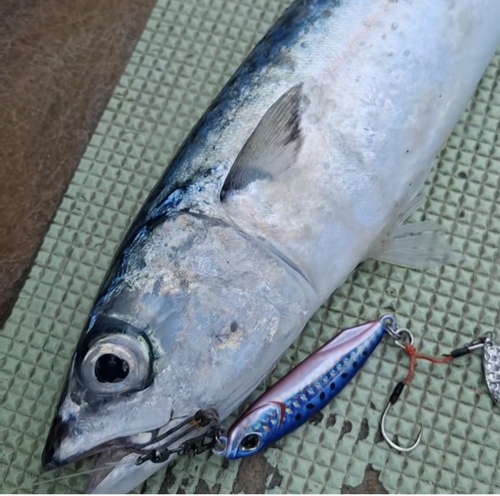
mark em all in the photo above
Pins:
pixel 308 388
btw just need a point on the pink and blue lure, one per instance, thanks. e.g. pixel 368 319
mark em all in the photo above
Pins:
pixel 304 391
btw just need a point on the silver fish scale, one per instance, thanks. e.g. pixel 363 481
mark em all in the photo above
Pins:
pixel 491 367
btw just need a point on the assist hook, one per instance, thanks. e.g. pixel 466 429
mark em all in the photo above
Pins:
pixel 398 336
pixel 392 400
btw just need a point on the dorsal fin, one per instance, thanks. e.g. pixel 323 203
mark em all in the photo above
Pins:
pixel 273 146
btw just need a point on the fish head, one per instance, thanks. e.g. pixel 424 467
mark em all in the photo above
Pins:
pixel 251 433
pixel 106 400
pixel 191 319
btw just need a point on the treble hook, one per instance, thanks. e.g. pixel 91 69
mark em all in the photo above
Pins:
pixel 392 400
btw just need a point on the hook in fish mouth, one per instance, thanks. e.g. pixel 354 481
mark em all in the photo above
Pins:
pixel 202 419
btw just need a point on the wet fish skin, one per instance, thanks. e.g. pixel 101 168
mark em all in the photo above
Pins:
pixel 305 164
pixel 304 391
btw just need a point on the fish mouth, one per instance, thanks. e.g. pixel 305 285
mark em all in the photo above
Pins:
pixel 64 447
pixel 116 469
pixel 58 431
pixel 53 453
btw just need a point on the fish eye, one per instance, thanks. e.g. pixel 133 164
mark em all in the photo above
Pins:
pixel 250 442
pixel 116 364
pixel 111 368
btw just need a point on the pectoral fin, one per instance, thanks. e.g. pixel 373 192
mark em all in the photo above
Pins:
pixel 273 146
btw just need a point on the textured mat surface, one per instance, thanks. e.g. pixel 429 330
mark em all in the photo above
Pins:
pixel 186 53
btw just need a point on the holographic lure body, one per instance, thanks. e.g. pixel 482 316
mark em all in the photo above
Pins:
pixel 491 368
pixel 304 391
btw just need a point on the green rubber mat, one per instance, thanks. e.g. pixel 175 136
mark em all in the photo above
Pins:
pixel 187 52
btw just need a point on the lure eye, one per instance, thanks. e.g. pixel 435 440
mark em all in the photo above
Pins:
pixel 116 364
pixel 250 442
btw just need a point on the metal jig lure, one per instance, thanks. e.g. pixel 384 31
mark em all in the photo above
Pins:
pixel 306 389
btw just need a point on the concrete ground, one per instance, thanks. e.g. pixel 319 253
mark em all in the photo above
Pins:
pixel 59 62
pixel 253 476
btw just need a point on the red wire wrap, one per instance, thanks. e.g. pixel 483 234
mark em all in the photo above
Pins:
pixel 414 356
